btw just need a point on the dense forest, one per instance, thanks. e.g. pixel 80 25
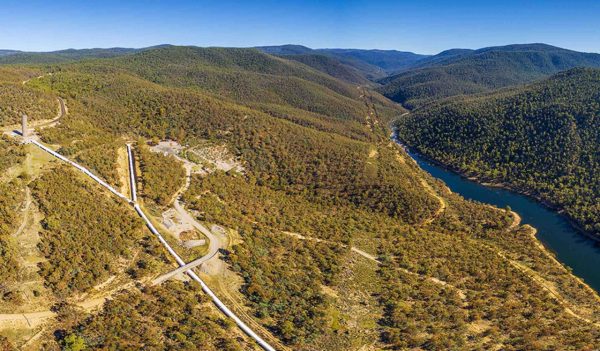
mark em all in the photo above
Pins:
pixel 161 176
pixel 249 77
pixel 87 236
pixel 543 138
pixel 277 151
pixel 458 72
pixel 370 64
pixel 10 201
pixel 61 56
pixel 331 66
pixel 17 98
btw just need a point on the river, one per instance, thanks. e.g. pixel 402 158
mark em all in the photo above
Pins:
pixel 558 235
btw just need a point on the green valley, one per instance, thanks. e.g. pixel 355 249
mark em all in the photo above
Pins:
pixel 313 228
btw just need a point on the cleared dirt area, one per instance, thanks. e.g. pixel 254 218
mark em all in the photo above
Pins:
pixel 123 170
pixel 203 158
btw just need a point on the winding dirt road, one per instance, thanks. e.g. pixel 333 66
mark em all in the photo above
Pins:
pixel 215 242
pixel 190 272
pixel 51 123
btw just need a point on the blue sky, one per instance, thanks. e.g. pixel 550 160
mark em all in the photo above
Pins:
pixel 418 26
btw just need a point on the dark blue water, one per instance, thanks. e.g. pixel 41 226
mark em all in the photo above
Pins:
pixel 571 247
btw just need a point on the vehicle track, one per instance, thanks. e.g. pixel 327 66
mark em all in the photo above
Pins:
pixel 374 259
pixel 543 284
pixel 240 310
pixel 440 199
pixel 25 210
pixel 35 318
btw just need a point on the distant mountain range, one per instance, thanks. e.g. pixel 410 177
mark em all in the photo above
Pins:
pixel 27 57
pixel 457 72
pixel 405 77
pixel 8 52
pixel 387 60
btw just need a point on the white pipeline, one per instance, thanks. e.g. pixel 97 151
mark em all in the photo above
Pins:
pixel 179 260
pixel 81 168
pixel 132 175
pixel 192 274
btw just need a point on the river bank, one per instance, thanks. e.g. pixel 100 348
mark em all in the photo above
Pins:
pixel 557 233
pixel 491 183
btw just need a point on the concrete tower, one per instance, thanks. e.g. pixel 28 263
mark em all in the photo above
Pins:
pixel 24 126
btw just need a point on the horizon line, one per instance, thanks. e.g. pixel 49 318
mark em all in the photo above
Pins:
pixel 287 44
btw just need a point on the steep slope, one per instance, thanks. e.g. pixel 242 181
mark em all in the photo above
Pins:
pixel 371 64
pixel 261 81
pixel 541 139
pixel 465 72
pixel 332 67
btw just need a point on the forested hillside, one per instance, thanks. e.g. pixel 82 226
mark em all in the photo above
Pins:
pixel 84 233
pixel 69 55
pixel 332 67
pixel 161 176
pixel 250 77
pixel 457 72
pixel 172 317
pixel 543 138
pixel 388 60
pixel 279 152
pixel 16 98
pixel 338 241
pixel 370 64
